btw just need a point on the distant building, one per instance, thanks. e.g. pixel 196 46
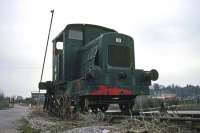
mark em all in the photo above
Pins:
pixel 18 99
pixel 166 96
pixel 37 97
pixel 169 96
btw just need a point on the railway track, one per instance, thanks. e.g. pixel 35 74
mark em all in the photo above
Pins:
pixel 177 116
pixel 148 121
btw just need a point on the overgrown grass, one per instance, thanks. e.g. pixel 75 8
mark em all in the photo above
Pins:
pixel 26 127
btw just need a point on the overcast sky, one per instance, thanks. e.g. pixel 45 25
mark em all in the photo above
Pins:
pixel 166 35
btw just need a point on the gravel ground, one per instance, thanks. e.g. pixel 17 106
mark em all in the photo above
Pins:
pixel 92 129
pixel 89 123
pixel 10 118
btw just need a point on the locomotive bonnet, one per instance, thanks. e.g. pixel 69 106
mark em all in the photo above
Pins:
pixel 94 67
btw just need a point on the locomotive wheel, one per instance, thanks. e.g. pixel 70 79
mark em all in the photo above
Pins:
pixel 104 107
pixel 94 109
pixel 126 107
pixel 84 105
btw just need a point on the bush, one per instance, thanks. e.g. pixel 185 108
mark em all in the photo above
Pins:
pixel 4 103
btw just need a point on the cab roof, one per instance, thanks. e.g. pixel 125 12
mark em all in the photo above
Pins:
pixel 59 37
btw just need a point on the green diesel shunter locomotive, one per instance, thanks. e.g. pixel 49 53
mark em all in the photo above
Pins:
pixel 93 67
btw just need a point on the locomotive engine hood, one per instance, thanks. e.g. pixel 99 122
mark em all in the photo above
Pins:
pixel 117 64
